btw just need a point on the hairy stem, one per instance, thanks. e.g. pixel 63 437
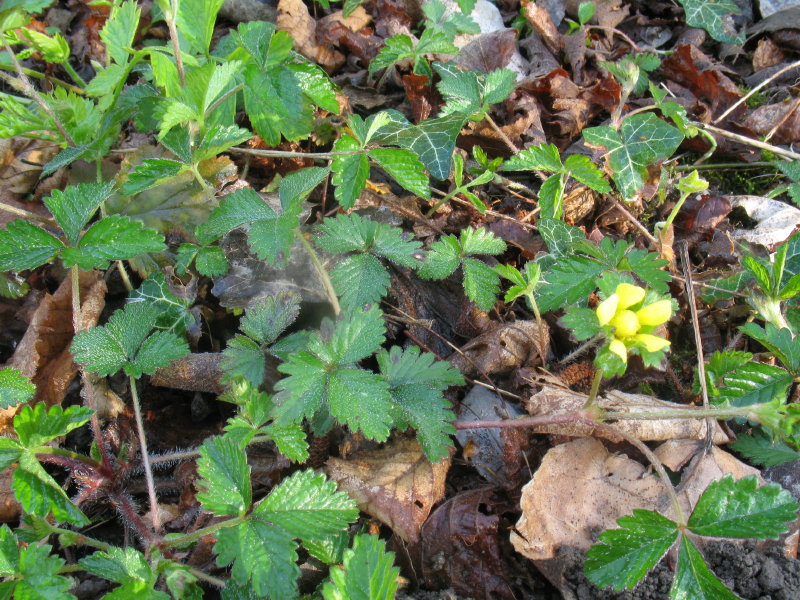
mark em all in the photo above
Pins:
pixel 191 538
pixel 53 80
pixel 79 538
pixel 323 274
pixel 173 36
pixel 215 581
pixel 222 99
pixel 44 452
pixel 148 473
pixel 73 73
pixel 598 377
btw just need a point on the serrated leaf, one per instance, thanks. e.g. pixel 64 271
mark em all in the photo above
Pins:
pixel 357 335
pixel 396 48
pixel 350 172
pixel 404 167
pixel 74 207
pixel 416 382
pixel 625 555
pixel 316 85
pixel 218 139
pixel 66 157
pixel 211 261
pixel 711 17
pixel 151 172
pixel 25 246
pixel 354 233
pixel 559 236
pixel 38 425
pixel 173 313
pixel 368 572
pixel 544 157
pixel 9 554
pixel 650 269
pixel 568 281
pixel 781 342
pixel 123 343
pixel 266 45
pixel 112 238
pixel 740 509
pixel 276 105
pixel 754 383
pixel 551 197
pixel 443 258
pixel 642 140
pixel 721 364
pixel 480 241
pixel 196 22
pixel 481 283
pixel 298 184
pixel 37 575
pixel 119 31
pixel 269 318
pixel 244 358
pixel 14 388
pixel 225 485
pixel 584 170
pixel 360 279
pixel 759 449
pixel 271 234
pixel 582 321
pixel 290 441
pixel 120 565
pixel 693 579
pixel 432 140
pixel 40 495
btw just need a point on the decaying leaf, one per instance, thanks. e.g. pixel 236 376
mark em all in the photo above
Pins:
pixel 776 220
pixel 554 401
pixel 9 507
pixel 504 347
pixel 193 372
pixel 783 117
pixel 396 484
pixel 294 18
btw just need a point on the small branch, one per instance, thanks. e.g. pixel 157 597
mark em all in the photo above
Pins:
pixel 21 212
pixel 634 46
pixel 79 538
pixel 173 35
pixel 123 503
pixel 635 222
pixel 53 80
pixel 215 581
pixel 48 454
pixel 73 73
pixel 174 457
pixel 506 140
pixel 744 98
pixel 721 166
pixel 749 141
pixel 582 416
pixel 294 154
pixel 148 473
pixel 323 274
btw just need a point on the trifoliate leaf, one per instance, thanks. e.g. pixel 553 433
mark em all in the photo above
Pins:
pixel 433 140
pixel 648 267
pixel 625 555
pixel 38 425
pixel 290 441
pixel 781 342
pixel 225 485
pixel 119 31
pixel 26 246
pixel 584 170
pixel 276 105
pixel 642 140
pixel 544 157
pixel 123 343
pixel 39 494
pixel 271 234
pixel 583 322
pixel 568 281
pixel 693 579
pixel 525 282
pixel 480 241
pixel 151 172
pixel 36 575
pixel 416 382
pixel 354 233
pixel 270 318
pixel 360 279
pixel 754 383
pixel 74 207
pixel 481 283
pixel 173 313
pixel 14 388
pixel 350 171
pixel 443 258
pixel 368 572
pixel 244 358
pixel 112 238
pixel 405 168
pixel 469 92
pixel 760 449
pixel 711 17
pixel 211 261
pixel 740 509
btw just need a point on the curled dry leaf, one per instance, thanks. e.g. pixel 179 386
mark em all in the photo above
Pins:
pixel 465 530
pixel 783 117
pixel 9 507
pixel 21 163
pixel 505 347
pixel 396 484
pixel 193 372
pixel 294 18
pixel 553 401
pixel 539 17
pixel 489 51
pixel 767 54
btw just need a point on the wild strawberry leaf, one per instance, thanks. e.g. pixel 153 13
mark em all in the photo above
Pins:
pixel 350 171
pixel 740 509
pixel 754 383
pixel 297 185
pixel 75 206
pixel 39 494
pixel 623 556
pixel 759 448
pixel 276 105
pixel 584 170
pixel 225 485
pixel 404 167
pixel 368 572
pixel 544 157
pixel 112 238
pixel 360 279
pixel 31 571
pixel 218 139
pixel 26 246
pixel 469 92
pixel 209 260
pixel 481 283
pixel 151 172
pixel 14 388
pixel 693 579
pixel 128 567
pixel 781 342
pixel 568 281
pixel 38 425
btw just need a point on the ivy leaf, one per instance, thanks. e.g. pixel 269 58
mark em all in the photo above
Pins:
pixel 40 495
pixel 350 172
pixel 625 555
pixel 112 238
pixel 368 572
pixel 760 449
pixel 405 168
pixel 151 172
pixel 74 207
pixel 126 343
pixel 173 313
pixel 38 425
pixel 781 342
pixel 559 236
pixel 711 17
pixel 754 383
pixel 642 140
pixel 15 388
pixel 740 509
pixel 225 485
pixel 693 579
pixel 271 233
pixel 26 246
pixel 432 140
pixel 416 383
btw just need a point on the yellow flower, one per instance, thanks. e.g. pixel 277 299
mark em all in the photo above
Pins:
pixel 625 324
pixel 651 343
pixel 629 294
pixel 655 314
pixel 618 348
pixel 607 309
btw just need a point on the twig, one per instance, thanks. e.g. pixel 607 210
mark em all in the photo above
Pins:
pixel 783 119
pixel 503 136
pixel 148 473
pixel 21 212
pixel 173 35
pixel 744 98
pixel 635 222
pixel 749 141
pixel 621 34
pixel 323 274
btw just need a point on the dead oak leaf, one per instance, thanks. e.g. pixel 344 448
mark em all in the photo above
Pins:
pixel 396 484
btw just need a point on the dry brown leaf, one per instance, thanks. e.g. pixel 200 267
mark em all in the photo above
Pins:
pixel 396 484
pixel 193 372
pixel 782 117
pixel 43 353
pixel 539 17
pixel 505 347
pixel 21 163
pixel 554 401
pixel 611 13
pixel 489 51
pixel 9 507
pixel 767 54
pixel 294 18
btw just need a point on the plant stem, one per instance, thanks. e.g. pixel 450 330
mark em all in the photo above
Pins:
pixel 704 167
pixel 148 473
pixel 749 141
pixel 191 538
pixel 581 416
pixel 21 212
pixel 674 213
pixel 506 140
pixel 598 377
pixel 742 412
pixel 72 73
pixel 45 451
pixel 222 99
pixel 215 581
pixel 79 538
pixel 323 274
pixel 53 80
pixel 447 197
pixel 173 35
pixel 294 154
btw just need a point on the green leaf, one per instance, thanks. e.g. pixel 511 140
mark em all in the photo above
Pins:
pixel 267 46
pixel 559 236
pixel 740 509
pixel 625 555
pixel 584 170
pixel 112 238
pixel 196 22
pixel 290 441
pixel 350 172
pixel 569 281
pixel 150 172
pixel 368 572
pixel 225 485
pixel 275 103
pixel 9 554
pixel 270 318
pixel 693 579
pixel 582 321
pixel 36 575
pixel 299 184
pixel 173 313
pixel 432 140
pixel 36 426
pixel 404 167
pixel 397 48
pixel 642 140
pixel 525 283
pixel 480 241
pixel 218 139
pixel 711 17
pixel 754 383
pixel 175 113
pixel 443 258
pixel 40 495
pixel 15 388
pixel 469 92
pixel 760 449
pixel 25 246
pixel 481 283
pixel 120 565
pixel 62 159
pixel 74 207
pixel 244 358
pixel 544 157
pixel 271 233
pixel 721 364
pixel 211 261
pixel 648 267
pixel 360 279
pixel 416 383
pixel 123 343
pixel 585 12
pixel 760 272
pixel 781 342
pixel 120 30
pixel 551 197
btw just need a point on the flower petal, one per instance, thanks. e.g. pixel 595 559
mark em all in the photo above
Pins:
pixel 618 348
pixel 629 294
pixel 625 323
pixel 607 309
pixel 651 343
pixel 655 313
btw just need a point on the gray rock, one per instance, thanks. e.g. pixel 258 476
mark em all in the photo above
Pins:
pixel 241 11
pixel 768 7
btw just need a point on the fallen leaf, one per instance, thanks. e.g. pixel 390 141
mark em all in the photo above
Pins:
pixel 776 220
pixel 193 372
pixel 783 117
pixel 767 54
pixel 21 164
pixel 396 484
pixel 504 347
pixel 489 51
pixel 460 547
pixel 539 17
pixel 294 18
pixel 553 401
pixel 9 507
